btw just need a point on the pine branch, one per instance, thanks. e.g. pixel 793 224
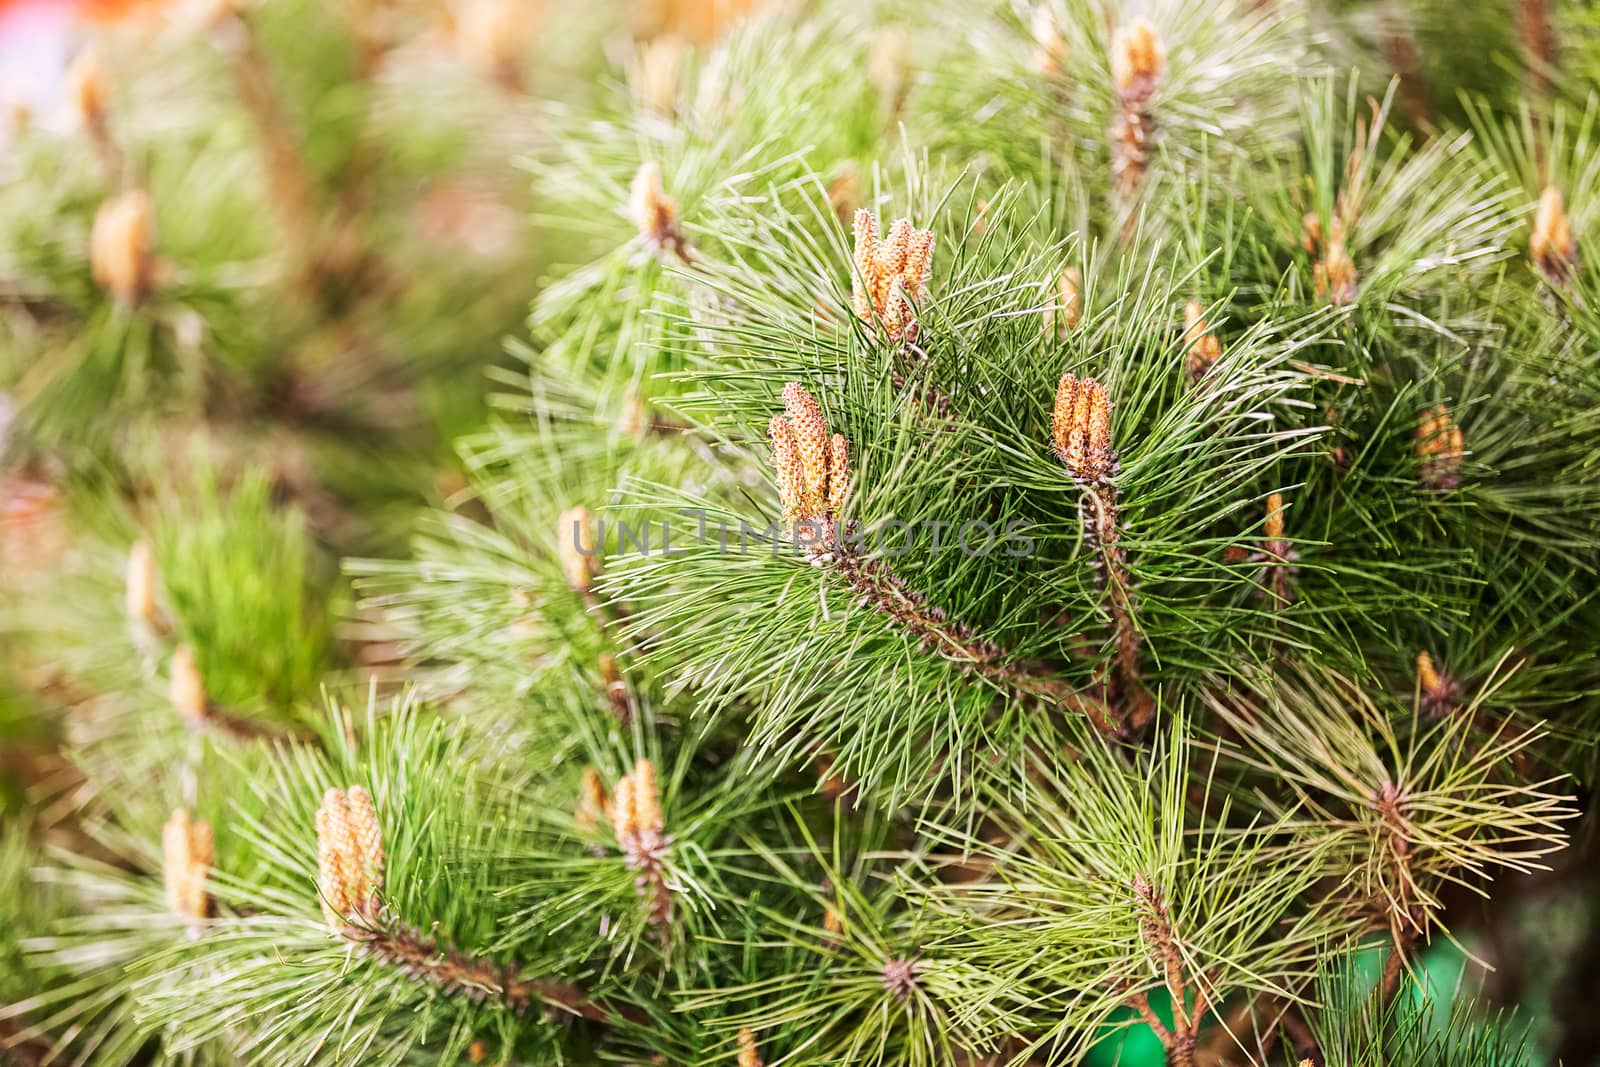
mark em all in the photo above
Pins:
pixel 477 978
pixel 1081 428
pixel 813 477
pixel 878 587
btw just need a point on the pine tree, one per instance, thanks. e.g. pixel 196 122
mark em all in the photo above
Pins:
pixel 1009 531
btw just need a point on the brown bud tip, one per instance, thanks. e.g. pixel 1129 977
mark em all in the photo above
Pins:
pixel 1550 244
pixel 185 688
pixel 593 804
pixel 1441 446
pixel 188 851
pixel 1427 674
pixel 625 809
pixel 653 213
pixel 492 36
pixel 634 418
pixel 1334 277
pixel 1080 425
pixel 647 803
pixel 86 90
pixel 1273 527
pixel 749 1056
pixel 1068 310
pixel 121 247
pixel 1204 347
pixel 367 836
pixel 1049 46
pixel 139 591
pixel 890 278
pixel 888 61
pixel 1138 58
pixel 1311 232
pixel 477 1052
pixel 654 74
pixel 844 192
pixel 832 922
pixel 812 468
pixel 578 548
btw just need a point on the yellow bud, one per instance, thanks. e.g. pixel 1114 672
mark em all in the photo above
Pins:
pixel 350 856
pixel 1049 46
pixel 812 468
pixel 1080 425
pixel 86 90
pixel 121 247
pixel 185 688
pixel 1069 302
pixel 890 278
pixel 1427 673
pixel 492 37
pixel 647 804
pixel 593 804
pixel 1334 277
pixel 1204 347
pixel 1550 244
pixel 1441 446
pixel 368 836
pixel 624 809
pixel 653 213
pixel 1311 232
pixel 749 1055
pixel 1138 58
pixel 188 852
pixel 1273 527
pixel 139 592
pixel 889 61
pixel 578 548
pixel 654 73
